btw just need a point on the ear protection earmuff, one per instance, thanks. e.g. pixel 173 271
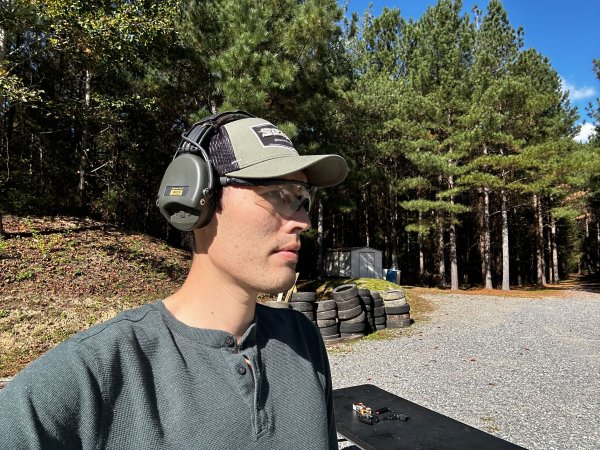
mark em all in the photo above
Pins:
pixel 186 197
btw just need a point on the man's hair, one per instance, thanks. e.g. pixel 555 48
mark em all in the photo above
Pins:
pixel 188 238
pixel 188 241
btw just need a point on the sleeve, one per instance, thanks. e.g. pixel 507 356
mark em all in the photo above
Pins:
pixel 55 402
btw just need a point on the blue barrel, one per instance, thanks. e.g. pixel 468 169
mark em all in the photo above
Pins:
pixel 391 276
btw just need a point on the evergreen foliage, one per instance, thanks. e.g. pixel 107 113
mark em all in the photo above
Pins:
pixel 460 143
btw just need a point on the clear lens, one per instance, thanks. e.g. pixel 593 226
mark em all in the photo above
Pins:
pixel 285 199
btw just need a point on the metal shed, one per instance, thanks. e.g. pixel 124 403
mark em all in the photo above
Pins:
pixel 355 262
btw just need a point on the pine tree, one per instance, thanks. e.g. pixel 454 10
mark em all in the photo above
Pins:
pixel 494 97
pixel 438 72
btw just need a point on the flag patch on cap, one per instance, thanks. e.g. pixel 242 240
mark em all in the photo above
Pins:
pixel 269 135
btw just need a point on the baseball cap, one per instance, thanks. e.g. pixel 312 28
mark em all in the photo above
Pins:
pixel 253 148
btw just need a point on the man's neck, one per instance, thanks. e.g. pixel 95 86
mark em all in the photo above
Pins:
pixel 212 300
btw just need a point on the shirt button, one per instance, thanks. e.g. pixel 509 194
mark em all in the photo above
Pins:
pixel 241 370
pixel 229 341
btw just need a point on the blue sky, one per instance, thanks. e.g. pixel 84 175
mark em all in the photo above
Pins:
pixel 567 32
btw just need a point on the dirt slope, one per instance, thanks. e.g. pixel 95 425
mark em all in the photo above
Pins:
pixel 60 275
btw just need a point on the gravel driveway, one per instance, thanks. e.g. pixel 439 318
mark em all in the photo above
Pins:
pixel 525 370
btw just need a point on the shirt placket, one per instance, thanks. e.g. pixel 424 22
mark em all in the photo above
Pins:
pixel 249 381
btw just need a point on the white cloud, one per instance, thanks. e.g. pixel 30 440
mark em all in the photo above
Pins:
pixel 586 132
pixel 577 93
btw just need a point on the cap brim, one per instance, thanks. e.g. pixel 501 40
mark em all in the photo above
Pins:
pixel 320 170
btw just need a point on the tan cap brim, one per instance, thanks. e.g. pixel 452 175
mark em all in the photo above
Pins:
pixel 320 170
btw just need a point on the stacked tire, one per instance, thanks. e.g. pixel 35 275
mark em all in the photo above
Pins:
pixel 397 309
pixel 379 317
pixel 350 311
pixel 305 302
pixel 367 303
pixel 327 320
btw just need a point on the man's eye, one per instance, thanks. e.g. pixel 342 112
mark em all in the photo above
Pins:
pixel 275 194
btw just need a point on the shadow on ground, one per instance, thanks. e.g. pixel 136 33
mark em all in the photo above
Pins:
pixel 587 283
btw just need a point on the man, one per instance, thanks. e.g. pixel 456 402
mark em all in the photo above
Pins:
pixel 207 367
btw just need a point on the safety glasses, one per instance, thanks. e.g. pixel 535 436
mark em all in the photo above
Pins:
pixel 285 197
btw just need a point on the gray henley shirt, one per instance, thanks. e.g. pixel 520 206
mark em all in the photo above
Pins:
pixel 145 380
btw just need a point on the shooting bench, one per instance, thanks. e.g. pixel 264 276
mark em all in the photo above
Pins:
pixel 425 429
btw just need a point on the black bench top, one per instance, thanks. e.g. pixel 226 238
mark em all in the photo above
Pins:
pixel 426 429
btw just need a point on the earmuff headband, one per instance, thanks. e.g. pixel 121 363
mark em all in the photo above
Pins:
pixel 185 197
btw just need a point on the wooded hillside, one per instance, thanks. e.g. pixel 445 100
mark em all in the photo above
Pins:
pixel 463 165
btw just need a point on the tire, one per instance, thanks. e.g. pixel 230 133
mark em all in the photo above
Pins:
pixel 397 309
pixel 332 338
pixel 361 318
pixel 380 327
pixel 398 324
pixel 379 312
pixel 375 295
pixel 324 315
pixel 398 317
pixel 326 323
pixel 310 315
pixel 380 320
pixel 394 303
pixel 329 331
pixel 276 304
pixel 326 305
pixel 367 301
pixel 364 292
pixel 352 335
pixel 346 327
pixel 349 313
pixel 304 297
pixel 348 304
pixel 302 306
pixel 345 292
pixel 392 294
pixel 377 302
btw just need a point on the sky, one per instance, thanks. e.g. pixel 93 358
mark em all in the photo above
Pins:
pixel 567 32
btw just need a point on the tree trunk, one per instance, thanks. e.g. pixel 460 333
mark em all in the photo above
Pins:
pixel 587 225
pixel 394 232
pixel 320 259
pixel 598 246
pixel 481 242
pixel 539 237
pixel 486 255
pixel 597 268
pixel 421 254
pixel 505 248
pixel 519 262
pixel 366 217
pixel 440 250
pixel 452 242
pixel 555 276
pixel 3 43
pixel 453 258
pixel 85 141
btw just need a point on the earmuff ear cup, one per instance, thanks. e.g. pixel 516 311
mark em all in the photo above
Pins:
pixel 185 197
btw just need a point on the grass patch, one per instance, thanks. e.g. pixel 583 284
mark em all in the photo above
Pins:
pixel 490 424
pixel 324 287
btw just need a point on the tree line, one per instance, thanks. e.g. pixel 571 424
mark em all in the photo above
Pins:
pixel 463 165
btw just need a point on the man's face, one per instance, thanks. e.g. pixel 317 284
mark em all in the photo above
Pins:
pixel 250 244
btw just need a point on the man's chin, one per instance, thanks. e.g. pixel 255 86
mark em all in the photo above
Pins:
pixel 283 285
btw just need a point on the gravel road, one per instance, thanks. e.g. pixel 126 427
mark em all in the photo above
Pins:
pixel 525 370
